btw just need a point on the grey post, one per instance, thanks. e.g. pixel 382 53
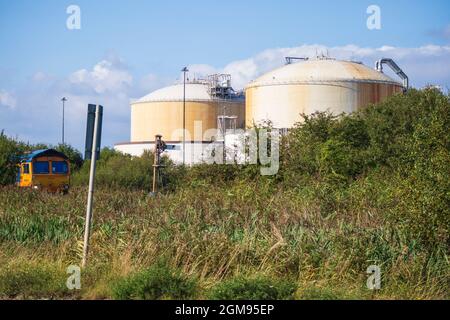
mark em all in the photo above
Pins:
pixel 64 99
pixel 88 221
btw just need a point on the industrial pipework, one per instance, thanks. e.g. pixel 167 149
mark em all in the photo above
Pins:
pixel 395 68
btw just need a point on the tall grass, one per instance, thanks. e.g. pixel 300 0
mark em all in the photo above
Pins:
pixel 223 236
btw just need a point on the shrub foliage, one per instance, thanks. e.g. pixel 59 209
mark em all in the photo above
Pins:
pixel 157 282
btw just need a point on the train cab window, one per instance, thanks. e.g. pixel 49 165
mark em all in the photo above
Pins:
pixel 26 168
pixel 40 167
pixel 60 167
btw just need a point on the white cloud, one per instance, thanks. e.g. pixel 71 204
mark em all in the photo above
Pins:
pixel 7 99
pixel 105 76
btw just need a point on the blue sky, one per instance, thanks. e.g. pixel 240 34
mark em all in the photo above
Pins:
pixel 142 45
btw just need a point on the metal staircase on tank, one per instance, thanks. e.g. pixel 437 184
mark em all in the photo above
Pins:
pixel 220 89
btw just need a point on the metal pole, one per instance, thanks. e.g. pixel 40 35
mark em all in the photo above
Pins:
pixel 184 116
pixel 88 223
pixel 63 124
pixel 64 99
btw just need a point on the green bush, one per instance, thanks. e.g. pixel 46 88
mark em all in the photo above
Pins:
pixel 156 282
pixel 115 169
pixel 31 281
pixel 422 174
pixel 10 150
pixel 301 148
pixel 75 156
pixel 255 288
pixel 406 137
pixel 326 146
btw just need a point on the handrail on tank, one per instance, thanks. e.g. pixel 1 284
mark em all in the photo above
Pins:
pixel 395 68
pixel 289 59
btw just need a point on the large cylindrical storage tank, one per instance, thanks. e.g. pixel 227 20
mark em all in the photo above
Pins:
pixel 314 85
pixel 161 113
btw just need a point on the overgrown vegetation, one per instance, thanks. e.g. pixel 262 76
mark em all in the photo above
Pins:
pixel 157 282
pixel 31 281
pixel 117 170
pixel 253 288
pixel 371 188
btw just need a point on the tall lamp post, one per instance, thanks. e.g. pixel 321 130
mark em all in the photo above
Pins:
pixel 64 99
pixel 184 70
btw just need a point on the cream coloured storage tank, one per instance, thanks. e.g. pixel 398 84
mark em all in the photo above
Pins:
pixel 161 112
pixel 315 85
pixel 210 106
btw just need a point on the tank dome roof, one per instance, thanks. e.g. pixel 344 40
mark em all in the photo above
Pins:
pixel 321 70
pixel 194 92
